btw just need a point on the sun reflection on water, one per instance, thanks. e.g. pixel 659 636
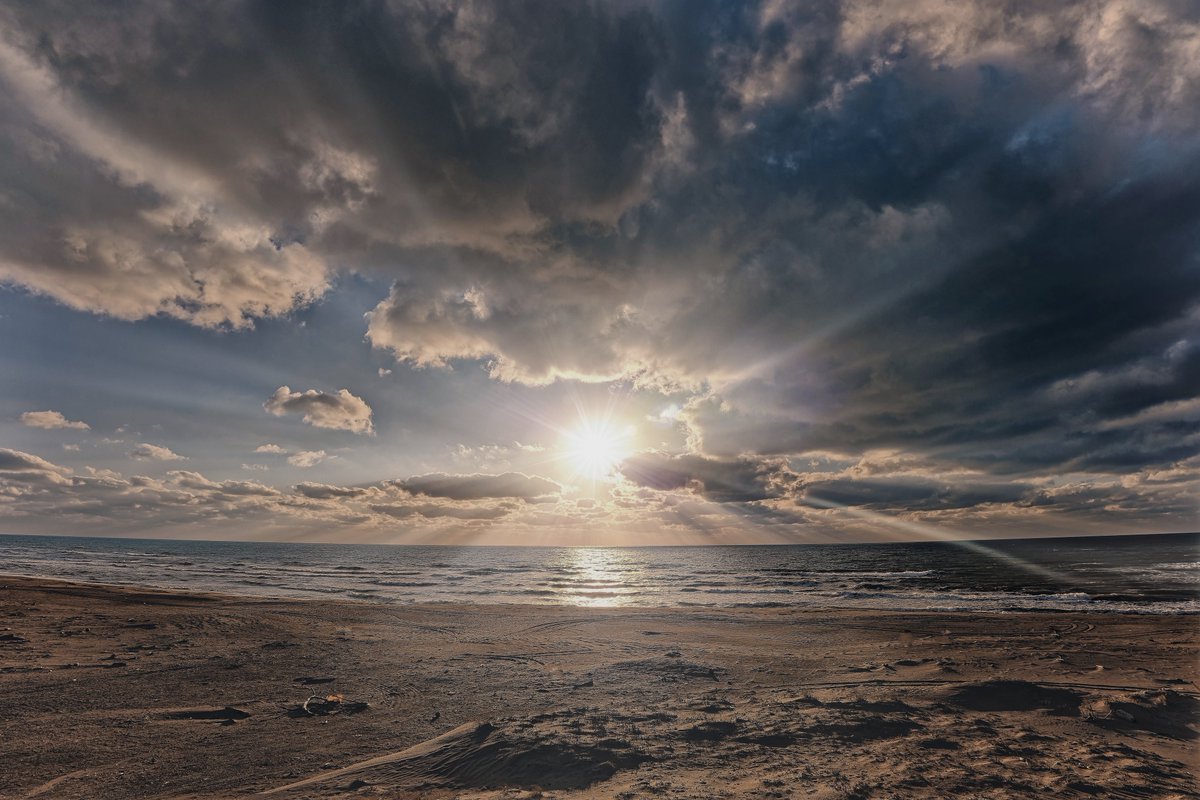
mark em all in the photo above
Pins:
pixel 600 577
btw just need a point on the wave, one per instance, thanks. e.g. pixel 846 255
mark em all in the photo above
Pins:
pixel 917 578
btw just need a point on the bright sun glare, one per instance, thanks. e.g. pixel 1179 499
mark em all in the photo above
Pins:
pixel 595 450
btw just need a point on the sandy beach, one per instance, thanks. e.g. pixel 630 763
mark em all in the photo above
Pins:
pixel 120 693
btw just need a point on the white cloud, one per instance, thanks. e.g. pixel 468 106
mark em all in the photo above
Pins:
pixel 189 252
pixel 154 452
pixel 270 448
pixel 28 471
pixel 340 410
pixel 51 420
pixel 575 328
pixel 307 458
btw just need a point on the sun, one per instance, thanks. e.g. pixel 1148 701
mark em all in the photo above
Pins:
pixel 596 449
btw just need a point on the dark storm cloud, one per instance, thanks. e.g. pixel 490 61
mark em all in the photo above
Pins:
pixel 1026 356
pixel 736 480
pixel 910 494
pixel 965 230
pixel 479 486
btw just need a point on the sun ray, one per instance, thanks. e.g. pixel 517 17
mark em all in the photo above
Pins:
pixel 909 530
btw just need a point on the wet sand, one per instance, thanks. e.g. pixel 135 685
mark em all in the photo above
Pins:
pixel 121 693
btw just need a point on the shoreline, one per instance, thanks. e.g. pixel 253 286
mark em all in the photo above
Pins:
pixel 115 691
pixel 1147 608
pixel 23 582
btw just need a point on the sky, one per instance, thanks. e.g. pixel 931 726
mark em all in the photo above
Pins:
pixel 600 272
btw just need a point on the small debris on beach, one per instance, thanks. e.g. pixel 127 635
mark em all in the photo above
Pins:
pixel 324 705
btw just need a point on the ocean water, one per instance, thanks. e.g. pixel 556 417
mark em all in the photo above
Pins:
pixel 1147 574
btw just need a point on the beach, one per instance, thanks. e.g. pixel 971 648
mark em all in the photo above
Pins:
pixel 118 692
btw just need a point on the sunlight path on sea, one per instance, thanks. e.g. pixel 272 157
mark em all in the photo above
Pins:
pixel 603 577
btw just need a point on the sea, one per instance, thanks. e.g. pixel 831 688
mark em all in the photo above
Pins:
pixel 1153 574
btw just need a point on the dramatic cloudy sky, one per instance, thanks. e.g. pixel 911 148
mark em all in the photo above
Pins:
pixel 541 272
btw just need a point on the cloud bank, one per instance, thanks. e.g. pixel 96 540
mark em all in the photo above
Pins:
pixel 39 493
